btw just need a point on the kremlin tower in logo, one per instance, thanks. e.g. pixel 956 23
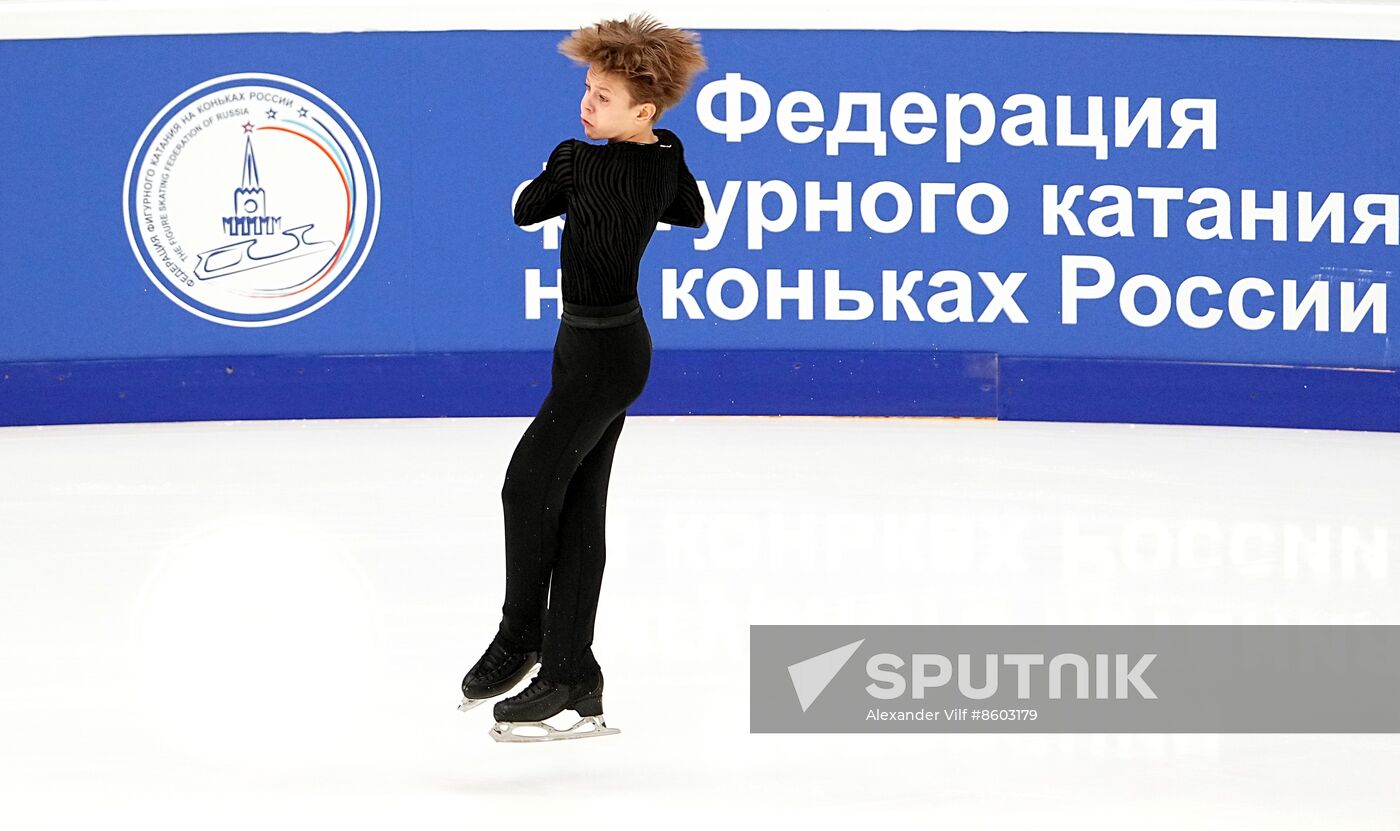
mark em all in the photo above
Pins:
pixel 250 202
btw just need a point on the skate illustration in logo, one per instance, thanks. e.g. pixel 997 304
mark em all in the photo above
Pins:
pixel 251 200
pixel 250 218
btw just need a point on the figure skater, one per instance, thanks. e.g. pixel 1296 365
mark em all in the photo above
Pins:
pixel 555 491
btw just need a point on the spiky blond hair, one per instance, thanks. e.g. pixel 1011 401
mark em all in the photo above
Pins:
pixel 656 62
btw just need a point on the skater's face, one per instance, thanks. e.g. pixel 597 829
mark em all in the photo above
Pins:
pixel 607 111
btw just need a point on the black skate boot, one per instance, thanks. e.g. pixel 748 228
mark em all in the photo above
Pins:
pixel 498 671
pixel 545 698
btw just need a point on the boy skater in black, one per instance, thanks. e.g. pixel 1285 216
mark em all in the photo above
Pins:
pixel 555 491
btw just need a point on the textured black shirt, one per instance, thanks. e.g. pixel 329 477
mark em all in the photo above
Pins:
pixel 613 195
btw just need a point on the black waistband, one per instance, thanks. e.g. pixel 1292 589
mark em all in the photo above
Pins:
pixel 602 317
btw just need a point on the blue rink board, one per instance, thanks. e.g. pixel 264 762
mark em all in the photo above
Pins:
pixel 448 312
pixel 779 382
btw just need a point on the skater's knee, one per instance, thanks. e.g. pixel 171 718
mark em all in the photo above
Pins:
pixel 531 493
pixel 518 492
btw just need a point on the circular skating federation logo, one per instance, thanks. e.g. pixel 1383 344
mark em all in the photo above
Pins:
pixel 251 199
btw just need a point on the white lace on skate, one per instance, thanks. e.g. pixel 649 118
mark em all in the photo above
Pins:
pixel 539 731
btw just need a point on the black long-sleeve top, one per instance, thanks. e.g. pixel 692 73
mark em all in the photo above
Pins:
pixel 613 195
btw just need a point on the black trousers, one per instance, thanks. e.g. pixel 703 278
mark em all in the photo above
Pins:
pixel 556 487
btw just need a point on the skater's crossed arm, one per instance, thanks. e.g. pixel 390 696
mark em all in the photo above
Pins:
pixel 548 195
pixel 688 208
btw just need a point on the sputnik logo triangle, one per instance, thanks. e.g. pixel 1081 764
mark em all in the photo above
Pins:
pixel 811 676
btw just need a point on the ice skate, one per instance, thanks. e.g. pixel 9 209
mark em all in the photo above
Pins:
pixel 521 718
pixel 497 672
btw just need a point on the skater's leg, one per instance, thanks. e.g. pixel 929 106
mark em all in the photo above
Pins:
pixel 597 374
pixel 585 395
pixel 578 566
pixel 569 424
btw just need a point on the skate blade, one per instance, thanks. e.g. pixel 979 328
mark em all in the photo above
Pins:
pixel 505 731
pixel 469 703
